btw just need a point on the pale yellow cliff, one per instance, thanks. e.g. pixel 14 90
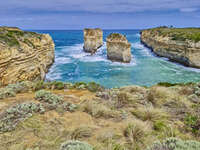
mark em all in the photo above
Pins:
pixel 93 40
pixel 24 55
pixel 180 45
pixel 118 48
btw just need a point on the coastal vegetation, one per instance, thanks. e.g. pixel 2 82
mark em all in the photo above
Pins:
pixel 180 34
pixel 86 116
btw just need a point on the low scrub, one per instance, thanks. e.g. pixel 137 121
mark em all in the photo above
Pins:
pixel 175 144
pixel 76 145
pixel 48 97
pixel 12 116
pixel 7 92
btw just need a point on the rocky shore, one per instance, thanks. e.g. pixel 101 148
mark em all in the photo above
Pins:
pixel 24 55
pixel 180 45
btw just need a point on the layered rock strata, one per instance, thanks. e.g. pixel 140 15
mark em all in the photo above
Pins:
pixel 179 45
pixel 24 55
pixel 118 48
pixel 93 40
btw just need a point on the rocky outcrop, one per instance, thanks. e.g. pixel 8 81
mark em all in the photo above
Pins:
pixel 24 55
pixel 180 45
pixel 93 39
pixel 118 48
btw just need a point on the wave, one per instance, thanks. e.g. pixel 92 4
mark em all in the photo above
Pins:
pixel 144 50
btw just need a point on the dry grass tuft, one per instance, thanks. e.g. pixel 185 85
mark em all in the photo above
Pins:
pixel 150 114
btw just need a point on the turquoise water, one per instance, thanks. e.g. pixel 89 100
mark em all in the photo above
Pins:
pixel 72 64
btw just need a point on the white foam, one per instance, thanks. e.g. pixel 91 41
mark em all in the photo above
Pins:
pixel 144 50
pixel 62 60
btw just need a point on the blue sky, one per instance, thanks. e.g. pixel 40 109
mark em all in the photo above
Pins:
pixel 106 14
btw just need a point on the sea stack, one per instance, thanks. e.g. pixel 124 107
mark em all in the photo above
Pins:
pixel 118 48
pixel 93 40
pixel 24 55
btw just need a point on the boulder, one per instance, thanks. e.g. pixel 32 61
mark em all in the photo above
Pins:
pixel 118 48
pixel 93 40
pixel 24 55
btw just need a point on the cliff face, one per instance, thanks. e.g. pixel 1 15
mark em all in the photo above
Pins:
pixel 93 39
pixel 118 48
pixel 180 45
pixel 24 55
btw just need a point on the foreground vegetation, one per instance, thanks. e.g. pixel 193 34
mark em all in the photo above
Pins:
pixel 179 34
pixel 86 116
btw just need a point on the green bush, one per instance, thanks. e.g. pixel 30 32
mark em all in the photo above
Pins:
pixel 80 85
pixel 94 87
pixel 13 115
pixel 19 87
pixel 192 122
pixel 39 85
pixel 7 92
pixel 48 97
pixel 175 144
pixel 75 145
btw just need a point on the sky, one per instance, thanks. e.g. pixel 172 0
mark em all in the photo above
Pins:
pixel 106 14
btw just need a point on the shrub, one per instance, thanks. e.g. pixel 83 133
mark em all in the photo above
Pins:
pixel 75 145
pixel 80 85
pixel 39 85
pixel 19 87
pixel 192 122
pixel 159 125
pixel 175 144
pixel 48 97
pixel 17 113
pixel 7 92
pixel 69 107
pixel 94 87
pixel 55 85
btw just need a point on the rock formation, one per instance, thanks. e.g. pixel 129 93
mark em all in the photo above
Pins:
pixel 118 48
pixel 24 55
pixel 180 45
pixel 93 39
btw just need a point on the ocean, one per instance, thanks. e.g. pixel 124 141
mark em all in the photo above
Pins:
pixel 72 64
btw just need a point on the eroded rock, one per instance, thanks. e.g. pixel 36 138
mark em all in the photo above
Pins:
pixel 180 45
pixel 118 48
pixel 93 40
pixel 24 55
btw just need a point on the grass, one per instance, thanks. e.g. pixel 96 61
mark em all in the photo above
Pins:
pixel 150 114
pixel 179 34
pixel 99 110
pixel 127 118
pixel 81 132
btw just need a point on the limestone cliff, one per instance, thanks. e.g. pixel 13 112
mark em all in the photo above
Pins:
pixel 24 55
pixel 180 45
pixel 118 48
pixel 93 39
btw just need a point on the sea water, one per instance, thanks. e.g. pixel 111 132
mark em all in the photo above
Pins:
pixel 72 64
